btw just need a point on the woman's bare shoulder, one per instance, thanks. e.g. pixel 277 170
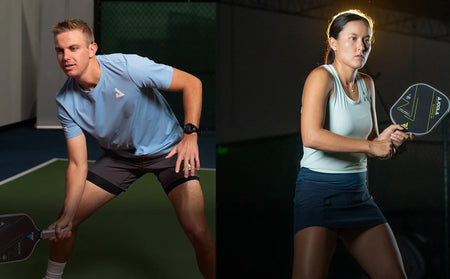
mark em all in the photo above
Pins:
pixel 320 77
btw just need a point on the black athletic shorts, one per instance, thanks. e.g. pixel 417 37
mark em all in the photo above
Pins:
pixel 115 171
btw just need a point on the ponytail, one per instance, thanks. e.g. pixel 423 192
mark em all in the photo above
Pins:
pixel 329 57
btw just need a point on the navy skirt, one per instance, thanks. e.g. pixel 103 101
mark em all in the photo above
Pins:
pixel 334 201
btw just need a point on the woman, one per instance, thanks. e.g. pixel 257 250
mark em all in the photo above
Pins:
pixel 339 129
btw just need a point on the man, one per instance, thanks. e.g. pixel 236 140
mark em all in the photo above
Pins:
pixel 114 98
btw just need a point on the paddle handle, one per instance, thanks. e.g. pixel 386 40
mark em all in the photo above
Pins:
pixel 46 234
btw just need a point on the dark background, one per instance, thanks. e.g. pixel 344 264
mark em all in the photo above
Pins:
pixel 265 51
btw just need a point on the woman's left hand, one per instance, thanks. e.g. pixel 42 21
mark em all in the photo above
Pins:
pixel 399 137
pixel 396 133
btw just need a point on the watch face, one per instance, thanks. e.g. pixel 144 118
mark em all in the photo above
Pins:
pixel 190 128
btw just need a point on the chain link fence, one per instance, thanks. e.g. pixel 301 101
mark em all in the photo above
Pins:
pixel 179 34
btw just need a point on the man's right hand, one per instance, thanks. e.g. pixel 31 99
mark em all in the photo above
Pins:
pixel 62 227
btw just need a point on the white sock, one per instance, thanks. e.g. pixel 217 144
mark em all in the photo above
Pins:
pixel 55 270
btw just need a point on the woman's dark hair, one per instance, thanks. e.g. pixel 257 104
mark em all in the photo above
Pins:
pixel 337 24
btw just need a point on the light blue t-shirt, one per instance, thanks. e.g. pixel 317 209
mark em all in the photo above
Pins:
pixel 347 118
pixel 125 111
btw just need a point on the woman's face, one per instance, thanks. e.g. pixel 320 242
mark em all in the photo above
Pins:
pixel 353 44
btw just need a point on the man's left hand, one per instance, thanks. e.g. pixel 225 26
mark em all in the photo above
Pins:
pixel 187 151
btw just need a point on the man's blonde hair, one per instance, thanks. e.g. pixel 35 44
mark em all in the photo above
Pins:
pixel 74 24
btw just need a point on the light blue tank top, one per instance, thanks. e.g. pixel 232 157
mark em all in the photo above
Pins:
pixel 347 118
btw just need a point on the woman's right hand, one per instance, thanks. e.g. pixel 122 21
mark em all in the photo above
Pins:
pixel 383 148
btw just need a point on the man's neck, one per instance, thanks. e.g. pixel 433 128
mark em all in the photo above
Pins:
pixel 91 77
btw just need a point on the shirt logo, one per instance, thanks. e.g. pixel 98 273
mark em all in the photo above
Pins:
pixel 119 94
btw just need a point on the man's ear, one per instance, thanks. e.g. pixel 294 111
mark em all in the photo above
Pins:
pixel 93 49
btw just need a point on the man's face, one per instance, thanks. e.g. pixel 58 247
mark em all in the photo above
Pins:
pixel 73 51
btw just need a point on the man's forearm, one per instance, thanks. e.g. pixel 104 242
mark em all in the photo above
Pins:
pixel 75 181
pixel 192 102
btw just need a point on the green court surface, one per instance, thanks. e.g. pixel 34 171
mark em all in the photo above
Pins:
pixel 134 236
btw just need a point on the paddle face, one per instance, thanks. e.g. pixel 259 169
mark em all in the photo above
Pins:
pixel 18 237
pixel 420 109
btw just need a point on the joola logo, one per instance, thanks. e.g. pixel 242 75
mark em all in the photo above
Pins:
pixel 119 94
pixel 438 105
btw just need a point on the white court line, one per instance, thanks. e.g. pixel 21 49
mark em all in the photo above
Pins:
pixel 208 169
pixel 48 163
pixel 29 171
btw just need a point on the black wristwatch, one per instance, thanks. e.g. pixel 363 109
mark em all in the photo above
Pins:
pixel 190 128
